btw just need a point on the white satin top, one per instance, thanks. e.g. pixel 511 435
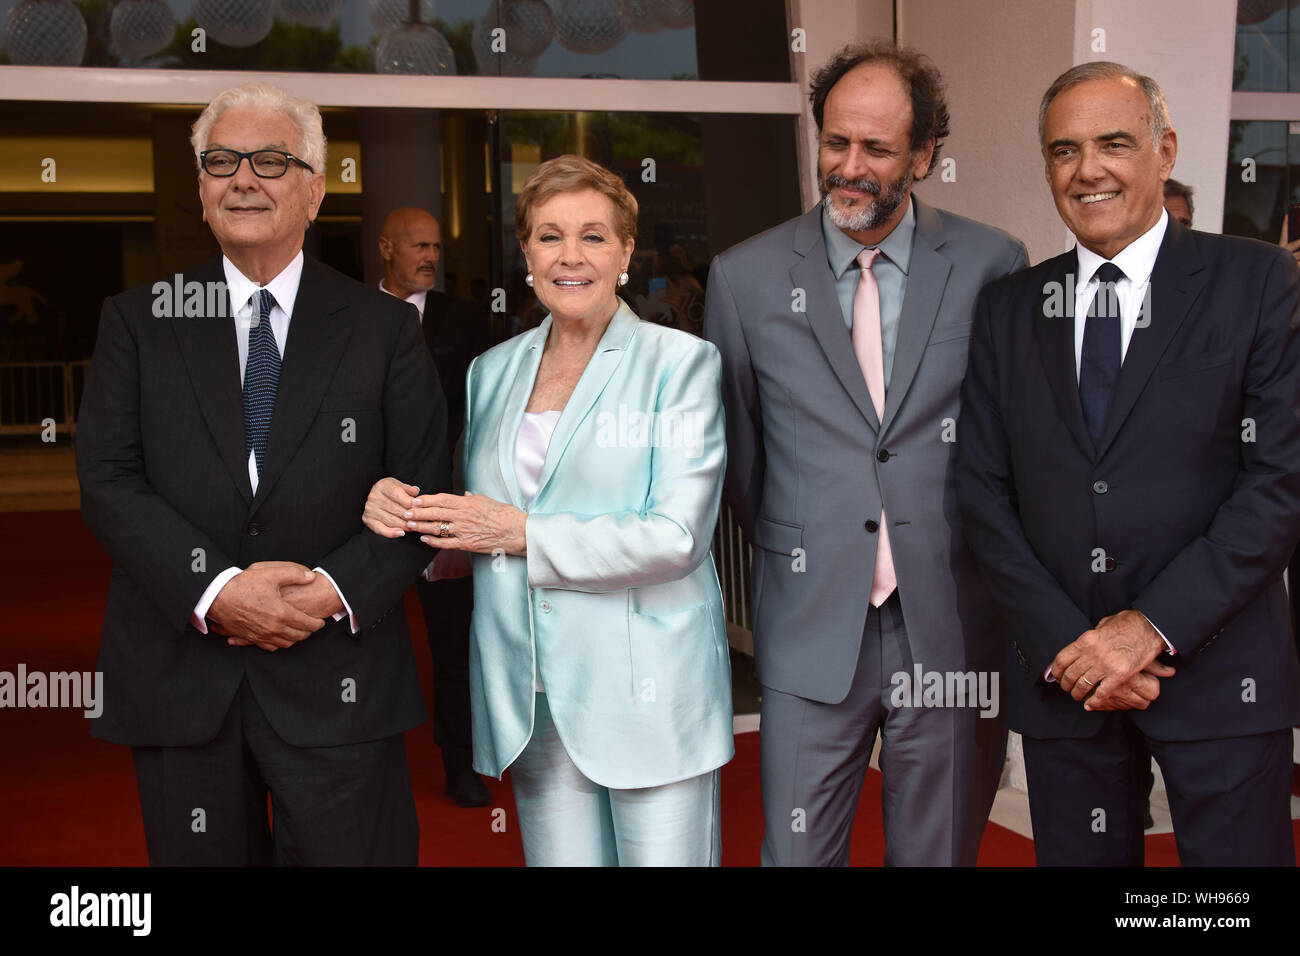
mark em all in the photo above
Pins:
pixel 531 443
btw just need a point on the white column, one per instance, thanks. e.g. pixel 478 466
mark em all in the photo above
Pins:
pixel 1187 47
pixel 828 25
pixel 996 61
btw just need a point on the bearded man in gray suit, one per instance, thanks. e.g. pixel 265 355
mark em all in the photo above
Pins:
pixel 843 335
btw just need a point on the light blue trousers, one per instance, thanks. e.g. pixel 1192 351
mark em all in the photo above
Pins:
pixel 567 820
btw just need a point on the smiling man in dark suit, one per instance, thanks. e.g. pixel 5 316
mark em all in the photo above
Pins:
pixel 1128 469
pixel 254 641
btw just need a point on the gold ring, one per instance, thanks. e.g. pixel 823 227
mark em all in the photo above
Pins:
pixel 444 529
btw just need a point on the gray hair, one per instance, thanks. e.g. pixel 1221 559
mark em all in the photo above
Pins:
pixel 304 115
pixel 1104 69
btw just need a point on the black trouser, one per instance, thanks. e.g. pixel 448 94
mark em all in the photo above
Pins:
pixel 447 608
pixel 1230 798
pixel 350 805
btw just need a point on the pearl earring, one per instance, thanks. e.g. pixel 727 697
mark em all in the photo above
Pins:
pixel 528 280
pixel 623 278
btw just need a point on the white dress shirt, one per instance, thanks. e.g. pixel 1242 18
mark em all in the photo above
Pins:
pixel 531 444
pixel 1137 260
pixel 243 292
pixel 415 298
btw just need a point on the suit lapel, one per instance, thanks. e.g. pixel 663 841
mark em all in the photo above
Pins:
pixel 211 357
pixel 512 413
pixel 812 274
pixel 318 332
pixel 1176 281
pixel 927 277
pixel 609 353
pixel 1055 337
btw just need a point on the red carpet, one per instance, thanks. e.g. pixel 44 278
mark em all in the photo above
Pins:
pixel 70 800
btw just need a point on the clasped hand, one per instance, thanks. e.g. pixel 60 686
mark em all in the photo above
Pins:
pixel 273 604
pixel 474 523
pixel 1113 666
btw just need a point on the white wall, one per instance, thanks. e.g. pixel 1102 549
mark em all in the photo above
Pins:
pixel 829 25
pixel 998 56
pixel 1187 47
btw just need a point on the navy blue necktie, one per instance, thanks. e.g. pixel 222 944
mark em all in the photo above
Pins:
pixel 1100 359
pixel 261 379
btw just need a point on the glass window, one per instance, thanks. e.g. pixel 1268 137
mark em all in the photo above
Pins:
pixel 1267 58
pixel 1261 180
pixel 639 39
pixel 702 183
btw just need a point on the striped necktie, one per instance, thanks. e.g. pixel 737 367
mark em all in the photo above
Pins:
pixel 261 379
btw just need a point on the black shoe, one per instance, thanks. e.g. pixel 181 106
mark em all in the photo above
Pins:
pixel 467 789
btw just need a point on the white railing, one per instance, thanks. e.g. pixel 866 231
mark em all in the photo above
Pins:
pixel 34 394
pixel 731 554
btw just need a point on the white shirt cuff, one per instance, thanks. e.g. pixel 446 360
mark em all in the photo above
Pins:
pixel 201 609
pixel 347 608
pixel 1169 647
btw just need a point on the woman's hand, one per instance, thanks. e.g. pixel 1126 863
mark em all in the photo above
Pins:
pixel 469 522
pixel 386 507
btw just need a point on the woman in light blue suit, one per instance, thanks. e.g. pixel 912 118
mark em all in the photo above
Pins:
pixel 594 452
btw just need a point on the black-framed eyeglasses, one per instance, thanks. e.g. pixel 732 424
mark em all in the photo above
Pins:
pixel 265 163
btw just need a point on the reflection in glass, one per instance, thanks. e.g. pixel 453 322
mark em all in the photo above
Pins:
pixel 1258 187
pixel 1263 40
pixel 236 23
pixel 633 39
pixel 45 33
pixel 141 28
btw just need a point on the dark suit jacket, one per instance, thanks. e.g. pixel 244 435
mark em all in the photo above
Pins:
pixel 165 489
pixel 457 333
pixel 1194 524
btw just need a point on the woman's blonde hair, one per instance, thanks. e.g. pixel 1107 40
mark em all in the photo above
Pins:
pixel 570 173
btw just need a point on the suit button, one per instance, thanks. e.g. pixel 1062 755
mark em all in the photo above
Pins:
pixel 1100 487
pixel 254 529
pixel 1110 564
pixel 545 607
pixel 872 526
pixel 883 454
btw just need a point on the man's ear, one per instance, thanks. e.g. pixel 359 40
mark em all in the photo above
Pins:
pixel 1168 154
pixel 385 248
pixel 317 196
pixel 921 160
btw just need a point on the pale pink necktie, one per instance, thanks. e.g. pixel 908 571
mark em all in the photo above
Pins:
pixel 871 356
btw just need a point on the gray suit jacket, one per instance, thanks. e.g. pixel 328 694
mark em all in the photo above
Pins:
pixel 810 464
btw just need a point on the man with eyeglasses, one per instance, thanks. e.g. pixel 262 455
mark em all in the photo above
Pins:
pixel 254 642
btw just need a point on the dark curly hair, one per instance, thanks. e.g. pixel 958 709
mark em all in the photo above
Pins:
pixel 929 106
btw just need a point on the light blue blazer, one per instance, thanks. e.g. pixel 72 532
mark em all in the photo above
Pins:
pixel 618 595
